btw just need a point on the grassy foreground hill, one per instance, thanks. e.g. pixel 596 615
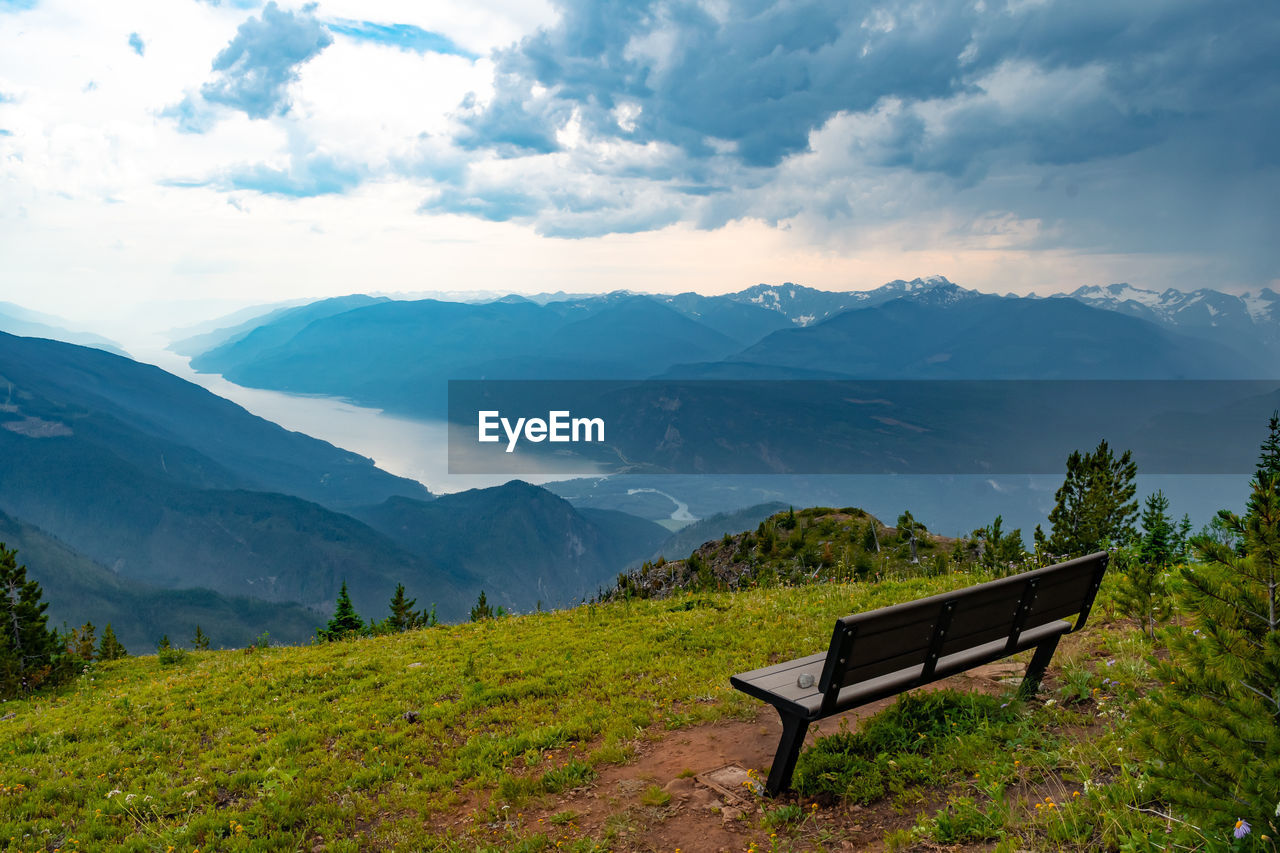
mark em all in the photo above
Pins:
pixel 465 737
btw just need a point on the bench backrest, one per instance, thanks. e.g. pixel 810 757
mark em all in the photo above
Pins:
pixel 866 645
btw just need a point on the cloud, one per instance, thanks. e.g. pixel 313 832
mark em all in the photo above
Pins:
pixel 138 45
pixel 237 4
pixel 305 172
pixel 253 72
pixel 1110 125
pixel 304 177
pixel 192 114
pixel 403 36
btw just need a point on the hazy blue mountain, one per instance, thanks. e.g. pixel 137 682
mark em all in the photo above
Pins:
pixel 167 484
pixel 80 590
pixel 201 337
pixel 399 355
pixel 16 320
pixel 520 543
pixel 258 336
pixel 176 430
pixel 165 532
pixel 743 322
pixel 804 306
pixel 1249 323
pixel 985 337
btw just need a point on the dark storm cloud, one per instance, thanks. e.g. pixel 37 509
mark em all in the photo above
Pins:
pixel 1116 125
pixel 763 76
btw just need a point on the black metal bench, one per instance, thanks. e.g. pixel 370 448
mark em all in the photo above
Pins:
pixel 889 651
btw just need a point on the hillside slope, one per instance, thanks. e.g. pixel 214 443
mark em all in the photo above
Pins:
pixel 525 546
pixel 80 590
pixel 385 743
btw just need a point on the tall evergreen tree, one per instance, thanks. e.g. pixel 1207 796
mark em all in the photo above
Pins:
pixel 345 621
pixel 1095 503
pixel 1213 727
pixel 402 616
pixel 1269 455
pixel 30 653
pixel 1143 593
pixel 200 641
pixel 110 647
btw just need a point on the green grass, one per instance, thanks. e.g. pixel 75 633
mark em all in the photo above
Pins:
pixel 277 748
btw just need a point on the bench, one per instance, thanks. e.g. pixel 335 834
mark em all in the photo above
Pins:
pixel 889 651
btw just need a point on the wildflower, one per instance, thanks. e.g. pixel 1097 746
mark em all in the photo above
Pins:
pixel 1111 662
pixel 1242 828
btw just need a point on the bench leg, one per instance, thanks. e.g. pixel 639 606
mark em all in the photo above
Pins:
pixel 784 761
pixel 1035 669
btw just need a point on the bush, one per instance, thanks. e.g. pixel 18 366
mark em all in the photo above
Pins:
pixel 890 751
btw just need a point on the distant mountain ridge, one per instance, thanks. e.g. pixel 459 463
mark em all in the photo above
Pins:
pixel 1248 322
pixel 17 320
pixel 955 334
pixel 139 489
pixel 804 306
pixel 399 355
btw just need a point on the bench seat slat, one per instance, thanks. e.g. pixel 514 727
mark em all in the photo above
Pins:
pixel 778 685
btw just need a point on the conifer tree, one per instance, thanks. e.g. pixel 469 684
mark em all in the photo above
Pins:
pixel 200 641
pixel 30 653
pixel 1000 550
pixel 81 643
pixel 481 610
pixel 1143 593
pixel 1269 456
pixel 110 648
pixel 402 616
pixel 1213 728
pixel 1095 503
pixel 345 621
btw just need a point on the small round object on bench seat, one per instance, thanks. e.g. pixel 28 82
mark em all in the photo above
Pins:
pixel 805 680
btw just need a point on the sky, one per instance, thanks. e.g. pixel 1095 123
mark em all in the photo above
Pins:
pixel 179 158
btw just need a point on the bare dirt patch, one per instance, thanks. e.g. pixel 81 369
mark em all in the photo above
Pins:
pixel 655 802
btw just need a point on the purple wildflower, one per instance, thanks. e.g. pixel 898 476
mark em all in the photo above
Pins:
pixel 1242 828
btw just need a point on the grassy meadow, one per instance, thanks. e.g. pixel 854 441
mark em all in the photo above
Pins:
pixel 384 742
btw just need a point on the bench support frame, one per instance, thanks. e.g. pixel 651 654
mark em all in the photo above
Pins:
pixel 784 760
pixel 796 716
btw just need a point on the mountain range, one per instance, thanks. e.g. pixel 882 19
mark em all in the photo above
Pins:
pixel 1249 323
pixel 129 485
pixel 399 355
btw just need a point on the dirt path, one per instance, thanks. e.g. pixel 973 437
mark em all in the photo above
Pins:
pixel 625 804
